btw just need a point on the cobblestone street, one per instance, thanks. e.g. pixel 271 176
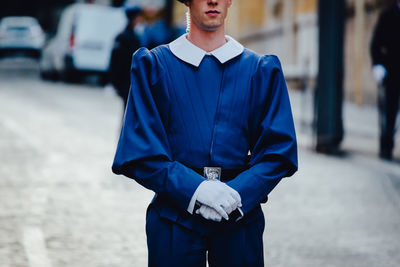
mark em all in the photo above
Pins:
pixel 61 206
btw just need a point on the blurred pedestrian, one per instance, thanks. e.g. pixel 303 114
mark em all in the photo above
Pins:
pixel 385 52
pixel 157 31
pixel 126 43
pixel 196 108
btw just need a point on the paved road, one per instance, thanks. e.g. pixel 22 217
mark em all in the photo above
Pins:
pixel 60 205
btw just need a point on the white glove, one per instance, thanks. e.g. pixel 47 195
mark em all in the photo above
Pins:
pixel 379 72
pixel 209 213
pixel 219 196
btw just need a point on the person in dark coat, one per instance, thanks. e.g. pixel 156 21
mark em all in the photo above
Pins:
pixel 126 43
pixel 385 53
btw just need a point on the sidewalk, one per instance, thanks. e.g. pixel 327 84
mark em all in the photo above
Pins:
pixel 336 211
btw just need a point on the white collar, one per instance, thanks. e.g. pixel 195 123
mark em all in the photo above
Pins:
pixel 183 49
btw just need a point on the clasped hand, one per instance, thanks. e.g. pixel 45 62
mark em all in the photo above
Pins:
pixel 217 200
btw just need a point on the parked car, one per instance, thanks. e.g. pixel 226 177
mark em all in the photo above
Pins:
pixel 83 42
pixel 22 34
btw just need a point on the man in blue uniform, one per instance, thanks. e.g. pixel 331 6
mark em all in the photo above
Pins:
pixel 208 127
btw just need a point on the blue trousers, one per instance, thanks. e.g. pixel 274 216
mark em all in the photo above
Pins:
pixel 171 244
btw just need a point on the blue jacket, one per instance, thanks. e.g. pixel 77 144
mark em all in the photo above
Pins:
pixel 180 116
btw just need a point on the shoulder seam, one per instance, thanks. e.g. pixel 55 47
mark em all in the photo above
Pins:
pixel 156 57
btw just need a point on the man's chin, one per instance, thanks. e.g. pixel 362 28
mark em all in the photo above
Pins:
pixel 211 27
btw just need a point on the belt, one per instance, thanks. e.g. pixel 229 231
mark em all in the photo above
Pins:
pixel 226 174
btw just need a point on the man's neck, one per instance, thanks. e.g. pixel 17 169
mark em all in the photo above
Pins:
pixel 207 40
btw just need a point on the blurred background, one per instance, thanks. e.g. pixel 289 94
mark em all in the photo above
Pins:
pixel 60 115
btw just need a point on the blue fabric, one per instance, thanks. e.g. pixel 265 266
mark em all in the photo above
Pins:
pixel 170 244
pixel 179 115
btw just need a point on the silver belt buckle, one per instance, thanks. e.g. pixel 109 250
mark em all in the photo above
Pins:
pixel 212 173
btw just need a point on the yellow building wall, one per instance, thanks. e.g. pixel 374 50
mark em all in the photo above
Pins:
pixel 251 14
pixel 305 6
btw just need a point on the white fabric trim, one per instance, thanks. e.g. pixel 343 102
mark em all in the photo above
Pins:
pixel 185 50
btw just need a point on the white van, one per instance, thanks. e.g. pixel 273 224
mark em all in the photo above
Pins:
pixel 83 42
pixel 21 33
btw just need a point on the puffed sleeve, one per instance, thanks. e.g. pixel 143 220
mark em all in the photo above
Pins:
pixel 273 138
pixel 143 152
